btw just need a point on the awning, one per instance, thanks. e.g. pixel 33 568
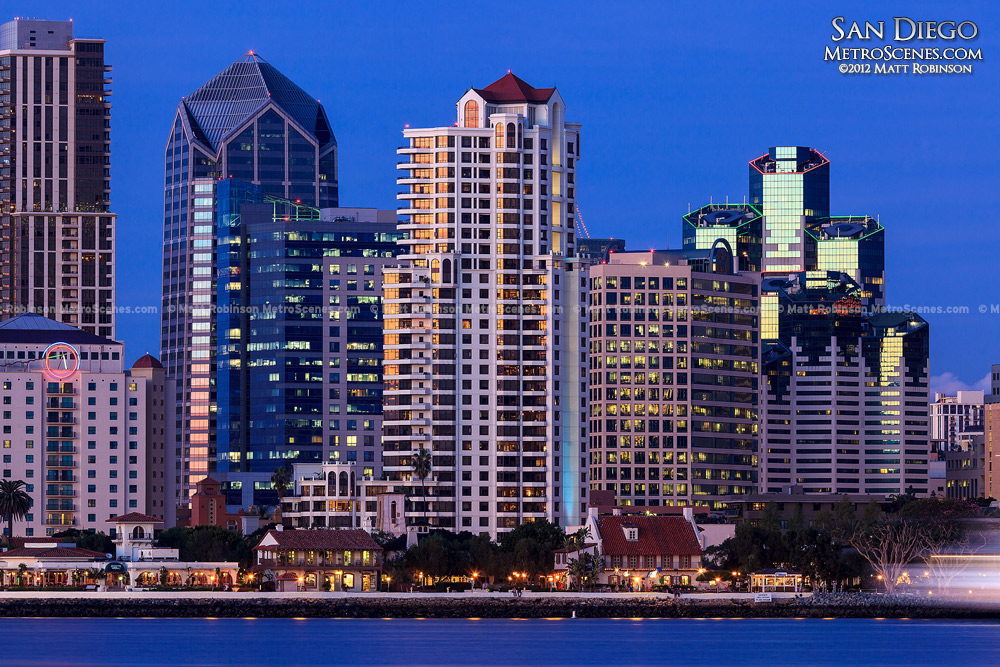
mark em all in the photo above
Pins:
pixel 116 567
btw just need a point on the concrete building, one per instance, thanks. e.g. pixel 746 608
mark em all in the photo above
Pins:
pixel 965 465
pixel 337 495
pixel 991 418
pixel 673 366
pixel 161 486
pixel 484 315
pixel 252 123
pixel 846 393
pixel 953 415
pixel 75 426
pixel 57 234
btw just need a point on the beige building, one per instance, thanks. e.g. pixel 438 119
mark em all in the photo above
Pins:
pixel 673 369
pixel 76 426
pixel 484 331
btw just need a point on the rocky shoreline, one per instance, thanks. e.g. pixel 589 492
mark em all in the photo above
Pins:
pixel 849 605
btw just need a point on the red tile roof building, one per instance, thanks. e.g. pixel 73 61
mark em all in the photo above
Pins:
pixel 639 552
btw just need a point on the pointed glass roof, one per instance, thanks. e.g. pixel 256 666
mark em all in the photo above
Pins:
pixel 240 90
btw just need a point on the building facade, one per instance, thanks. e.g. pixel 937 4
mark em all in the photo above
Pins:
pixel 951 416
pixel 75 425
pixel 57 234
pixel 483 350
pixel 299 324
pixel 673 364
pixel 845 403
pixel 252 123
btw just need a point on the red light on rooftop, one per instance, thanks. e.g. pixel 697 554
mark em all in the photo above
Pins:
pixel 298 201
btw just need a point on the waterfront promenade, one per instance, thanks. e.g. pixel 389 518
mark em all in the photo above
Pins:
pixel 395 595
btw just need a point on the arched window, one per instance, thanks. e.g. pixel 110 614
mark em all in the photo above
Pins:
pixel 435 271
pixel 138 533
pixel 511 136
pixel 499 138
pixel 392 510
pixel 471 114
pixel 519 134
pixel 446 271
pixel 343 484
pixel 354 487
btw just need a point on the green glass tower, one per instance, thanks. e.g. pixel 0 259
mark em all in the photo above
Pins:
pixel 739 224
pixel 854 245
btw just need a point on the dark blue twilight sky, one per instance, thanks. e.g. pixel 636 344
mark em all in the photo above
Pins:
pixel 674 98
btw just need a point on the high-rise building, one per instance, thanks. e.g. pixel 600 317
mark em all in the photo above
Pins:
pixel 299 327
pixel 161 485
pixel 952 415
pixel 673 383
pixel 853 245
pixel 844 409
pixel 57 234
pixel 484 318
pixel 739 224
pixel 248 122
pixel 77 426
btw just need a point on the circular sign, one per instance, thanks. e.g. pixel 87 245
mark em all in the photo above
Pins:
pixel 62 361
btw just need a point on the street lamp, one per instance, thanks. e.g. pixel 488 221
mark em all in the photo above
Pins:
pixel 301 583
pixel 212 578
pixel 388 583
pixel 718 581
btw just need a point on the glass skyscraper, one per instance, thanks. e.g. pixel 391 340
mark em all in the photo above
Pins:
pixel 299 330
pixel 854 245
pixel 252 123
pixel 739 224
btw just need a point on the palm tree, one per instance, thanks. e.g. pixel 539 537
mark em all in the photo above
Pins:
pixel 422 468
pixel 281 478
pixel 15 503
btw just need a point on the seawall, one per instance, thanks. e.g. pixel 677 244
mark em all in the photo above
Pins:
pixel 471 607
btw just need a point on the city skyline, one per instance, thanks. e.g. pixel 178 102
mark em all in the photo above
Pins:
pixel 879 168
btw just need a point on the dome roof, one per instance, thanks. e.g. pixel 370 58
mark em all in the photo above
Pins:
pixel 147 361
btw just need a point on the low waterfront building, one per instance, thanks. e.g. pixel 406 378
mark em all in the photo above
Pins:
pixel 333 560
pixel 641 551
pixel 772 580
pixel 137 562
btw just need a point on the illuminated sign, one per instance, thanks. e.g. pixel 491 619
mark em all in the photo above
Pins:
pixel 62 361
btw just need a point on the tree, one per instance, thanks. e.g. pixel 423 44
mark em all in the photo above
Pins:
pixel 15 503
pixel 421 463
pixel 889 545
pixel 281 479
pixel 83 539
